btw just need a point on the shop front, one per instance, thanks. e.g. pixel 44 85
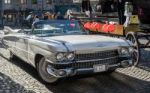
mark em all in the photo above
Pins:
pixel 10 17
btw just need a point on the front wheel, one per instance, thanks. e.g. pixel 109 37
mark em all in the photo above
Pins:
pixel 131 36
pixel 42 71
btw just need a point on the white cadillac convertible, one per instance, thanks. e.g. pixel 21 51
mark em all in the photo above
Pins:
pixel 62 48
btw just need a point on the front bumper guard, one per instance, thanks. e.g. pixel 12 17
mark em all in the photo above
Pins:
pixel 59 73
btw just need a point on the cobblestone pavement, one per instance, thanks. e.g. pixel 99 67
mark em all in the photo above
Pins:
pixel 18 77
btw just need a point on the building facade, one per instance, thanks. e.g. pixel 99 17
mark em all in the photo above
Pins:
pixel 14 10
pixel 11 10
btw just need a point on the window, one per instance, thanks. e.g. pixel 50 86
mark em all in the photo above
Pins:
pixel 9 17
pixel 7 1
pixel 48 1
pixel 34 1
pixel 57 28
pixel 23 1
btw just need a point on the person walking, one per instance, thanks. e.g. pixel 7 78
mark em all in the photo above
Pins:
pixel 59 16
pixel 45 17
pixel 29 19
pixel 20 19
pixel 86 7
pixel 120 8
pixel 36 19
pixel 99 7
pixel 128 13
pixel 69 14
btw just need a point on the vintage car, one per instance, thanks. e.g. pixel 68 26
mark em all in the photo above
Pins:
pixel 62 48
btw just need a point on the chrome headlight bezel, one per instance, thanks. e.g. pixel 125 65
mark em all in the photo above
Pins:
pixel 60 56
pixel 63 56
pixel 124 51
pixel 70 56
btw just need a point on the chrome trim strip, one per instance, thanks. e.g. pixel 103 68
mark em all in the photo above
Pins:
pixel 98 59
pixel 71 72
pixel 85 69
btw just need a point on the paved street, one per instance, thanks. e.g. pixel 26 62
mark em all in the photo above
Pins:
pixel 18 77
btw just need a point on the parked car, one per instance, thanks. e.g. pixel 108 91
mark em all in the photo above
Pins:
pixel 62 48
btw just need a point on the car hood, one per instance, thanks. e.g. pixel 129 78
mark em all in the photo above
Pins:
pixel 88 42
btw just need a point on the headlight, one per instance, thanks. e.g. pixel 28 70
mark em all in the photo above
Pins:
pixel 65 56
pixel 124 51
pixel 70 56
pixel 60 56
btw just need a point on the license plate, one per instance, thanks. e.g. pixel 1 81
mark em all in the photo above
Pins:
pixel 99 68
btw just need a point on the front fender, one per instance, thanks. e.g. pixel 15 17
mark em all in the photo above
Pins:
pixel 46 49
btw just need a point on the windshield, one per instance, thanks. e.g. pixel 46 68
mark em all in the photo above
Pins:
pixel 57 28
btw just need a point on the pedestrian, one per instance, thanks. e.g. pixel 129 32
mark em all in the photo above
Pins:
pixel 99 7
pixel 59 16
pixel 120 8
pixel 69 16
pixel 29 19
pixel 45 16
pixel 36 19
pixel 53 16
pixel 128 13
pixel 86 7
pixel 20 19
pixel 16 23
pixel 50 15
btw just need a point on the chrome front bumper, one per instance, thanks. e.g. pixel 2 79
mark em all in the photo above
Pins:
pixel 66 72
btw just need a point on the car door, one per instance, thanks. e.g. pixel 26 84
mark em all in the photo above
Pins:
pixel 31 48
pixel 22 47
pixel 10 42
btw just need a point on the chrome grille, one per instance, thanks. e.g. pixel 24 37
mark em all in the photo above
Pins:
pixel 91 59
pixel 97 55
pixel 80 65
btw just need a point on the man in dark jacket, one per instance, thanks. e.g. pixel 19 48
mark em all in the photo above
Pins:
pixel 120 4
pixel 121 9
pixel 86 6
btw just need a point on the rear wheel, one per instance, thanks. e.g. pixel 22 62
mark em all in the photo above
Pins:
pixel 43 73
